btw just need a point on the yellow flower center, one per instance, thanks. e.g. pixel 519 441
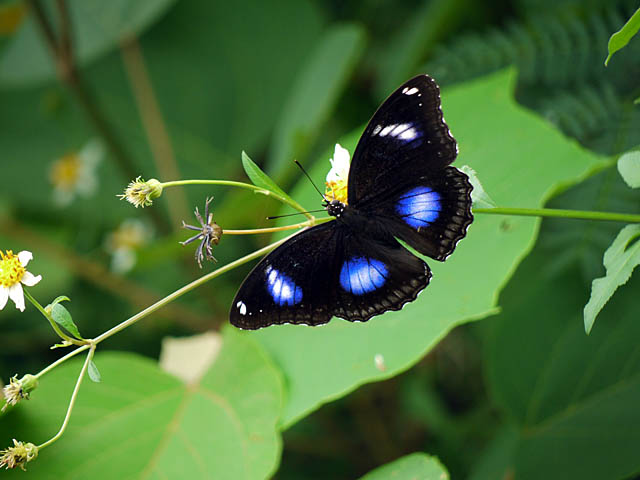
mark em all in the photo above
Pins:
pixel 66 171
pixel 11 17
pixel 11 270
pixel 336 191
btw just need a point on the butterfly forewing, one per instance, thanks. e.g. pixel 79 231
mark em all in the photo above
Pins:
pixel 401 176
pixel 406 137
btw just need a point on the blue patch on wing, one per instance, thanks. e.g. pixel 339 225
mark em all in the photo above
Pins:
pixel 283 290
pixel 419 207
pixel 361 275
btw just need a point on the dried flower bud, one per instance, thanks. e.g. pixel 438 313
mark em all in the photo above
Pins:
pixel 18 455
pixel 18 390
pixel 141 193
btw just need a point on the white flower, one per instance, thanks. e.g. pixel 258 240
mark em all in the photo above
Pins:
pixel 123 242
pixel 13 275
pixel 339 165
pixel 75 173
pixel 338 176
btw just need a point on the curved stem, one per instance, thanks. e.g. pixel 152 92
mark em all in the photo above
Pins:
pixel 292 203
pixel 48 368
pixel 53 323
pixel 559 213
pixel 74 396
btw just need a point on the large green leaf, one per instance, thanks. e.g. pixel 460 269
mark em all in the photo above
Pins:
pixel 416 465
pixel 620 259
pixel 97 28
pixel 521 160
pixel 572 398
pixel 315 94
pixel 143 423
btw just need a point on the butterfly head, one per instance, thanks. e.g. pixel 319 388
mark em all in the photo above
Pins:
pixel 335 208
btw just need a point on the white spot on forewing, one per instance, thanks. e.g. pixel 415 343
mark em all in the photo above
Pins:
pixel 409 134
pixel 242 307
pixel 385 131
pixel 402 131
pixel 409 91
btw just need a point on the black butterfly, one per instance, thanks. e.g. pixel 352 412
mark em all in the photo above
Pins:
pixel 400 185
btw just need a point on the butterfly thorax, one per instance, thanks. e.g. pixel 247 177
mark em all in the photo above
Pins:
pixel 355 220
pixel 335 208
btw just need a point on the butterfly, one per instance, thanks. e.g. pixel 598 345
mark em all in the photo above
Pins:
pixel 400 186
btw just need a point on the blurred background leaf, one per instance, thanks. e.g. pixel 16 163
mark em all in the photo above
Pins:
pixel 99 28
pixel 571 397
pixel 412 466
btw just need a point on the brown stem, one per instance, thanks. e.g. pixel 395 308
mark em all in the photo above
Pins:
pixel 154 125
pixel 62 53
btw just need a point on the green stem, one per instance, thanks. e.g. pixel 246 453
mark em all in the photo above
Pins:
pixel 62 360
pixel 72 402
pixel 248 186
pixel 255 231
pixel 558 213
pixel 53 323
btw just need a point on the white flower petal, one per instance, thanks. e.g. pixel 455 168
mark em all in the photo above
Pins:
pixel 339 165
pixel 123 260
pixel 24 257
pixel 4 296
pixel 63 197
pixel 341 156
pixel 17 295
pixel 29 279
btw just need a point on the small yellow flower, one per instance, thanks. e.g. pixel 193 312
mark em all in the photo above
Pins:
pixel 13 275
pixel 18 455
pixel 338 176
pixel 76 173
pixel 18 390
pixel 140 193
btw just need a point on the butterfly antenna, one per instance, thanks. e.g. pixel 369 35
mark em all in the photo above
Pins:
pixel 297 213
pixel 309 177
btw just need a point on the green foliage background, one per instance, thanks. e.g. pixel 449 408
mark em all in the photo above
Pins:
pixel 489 370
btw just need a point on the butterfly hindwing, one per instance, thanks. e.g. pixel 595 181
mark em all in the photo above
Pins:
pixel 431 213
pixel 328 271
pixel 292 284
pixel 406 138
pixel 376 274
